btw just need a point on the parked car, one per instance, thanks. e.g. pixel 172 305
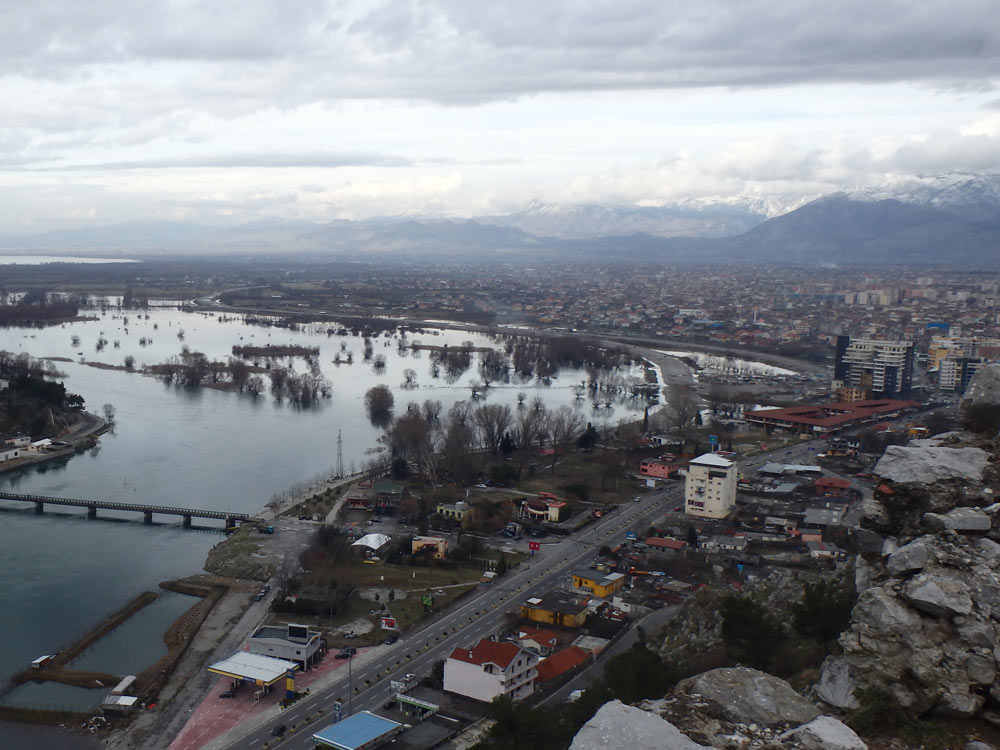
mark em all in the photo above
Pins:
pixel 346 653
pixel 278 731
pixel 391 639
pixel 258 596
pixel 226 694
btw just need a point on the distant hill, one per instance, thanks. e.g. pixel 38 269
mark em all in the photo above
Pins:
pixel 943 220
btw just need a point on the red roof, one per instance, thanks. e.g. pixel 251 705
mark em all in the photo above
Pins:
pixel 833 482
pixel 544 637
pixel 488 652
pixel 832 415
pixel 561 661
pixel 665 542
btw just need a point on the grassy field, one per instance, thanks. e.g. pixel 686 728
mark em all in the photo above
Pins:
pixel 234 557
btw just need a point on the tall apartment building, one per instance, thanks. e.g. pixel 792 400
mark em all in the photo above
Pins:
pixel 954 373
pixel 883 369
pixel 710 486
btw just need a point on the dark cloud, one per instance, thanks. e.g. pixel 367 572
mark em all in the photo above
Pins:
pixel 456 51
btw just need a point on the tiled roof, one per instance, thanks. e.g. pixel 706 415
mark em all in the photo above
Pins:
pixel 488 652
pixel 561 661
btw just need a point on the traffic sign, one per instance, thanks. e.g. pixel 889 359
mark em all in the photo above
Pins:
pixel 713 439
pixel 631 535
pixel 534 546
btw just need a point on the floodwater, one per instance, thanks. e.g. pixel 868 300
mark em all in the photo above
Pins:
pixel 188 448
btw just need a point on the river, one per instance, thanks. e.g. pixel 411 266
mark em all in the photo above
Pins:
pixel 194 448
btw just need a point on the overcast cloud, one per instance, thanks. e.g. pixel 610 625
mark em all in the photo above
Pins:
pixel 229 111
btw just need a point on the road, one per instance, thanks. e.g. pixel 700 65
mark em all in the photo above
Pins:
pixel 463 624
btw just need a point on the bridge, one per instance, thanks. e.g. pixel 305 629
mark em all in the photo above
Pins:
pixel 93 506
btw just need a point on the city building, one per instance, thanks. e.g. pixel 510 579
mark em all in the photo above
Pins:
pixel 491 669
pixel 455 511
pixel 883 369
pixel 710 486
pixel 556 608
pixel 296 643
pixel 824 419
pixel 601 585
pixel 954 373
pixel 434 546
pixel 658 468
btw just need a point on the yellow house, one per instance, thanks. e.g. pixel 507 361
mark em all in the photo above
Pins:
pixel 422 545
pixel 597 584
pixel 457 511
pixel 556 608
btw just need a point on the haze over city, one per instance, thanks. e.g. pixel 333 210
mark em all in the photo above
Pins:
pixel 224 113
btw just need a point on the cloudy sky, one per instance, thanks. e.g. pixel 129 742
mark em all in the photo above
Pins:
pixel 223 112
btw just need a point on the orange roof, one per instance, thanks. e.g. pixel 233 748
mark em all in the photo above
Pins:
pixel 665 542
pixel 833 482
pixel 546 637
pixel 488 652
pixel 561 661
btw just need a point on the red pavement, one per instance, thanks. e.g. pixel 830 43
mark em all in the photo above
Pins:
pixel 215 716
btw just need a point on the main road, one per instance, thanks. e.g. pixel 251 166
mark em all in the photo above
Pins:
pixel 463 624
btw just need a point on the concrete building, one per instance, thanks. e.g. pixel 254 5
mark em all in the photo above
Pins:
pixel 710 486
pixel 296 643
pixel 954 373
pixel 455 511
pixel 597 584
pixel 883 369
pixel 491 669
pixel 434 546
pixel 556 608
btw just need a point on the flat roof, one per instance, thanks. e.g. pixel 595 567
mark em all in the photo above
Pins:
pixel 256 667
pixel 356 731
pixel 711 459
pixel 831 415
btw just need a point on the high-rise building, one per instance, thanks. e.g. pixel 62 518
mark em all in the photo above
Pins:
pixel 710 486
pixel 954 373
pixel 883 369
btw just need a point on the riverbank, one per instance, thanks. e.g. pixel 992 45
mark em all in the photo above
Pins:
pixel 80 437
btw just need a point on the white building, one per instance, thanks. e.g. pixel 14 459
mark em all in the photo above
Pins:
pixel 489 669
pixel 710 486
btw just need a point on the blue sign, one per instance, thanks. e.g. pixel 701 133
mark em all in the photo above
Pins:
pixel 713 439
pixel 631 535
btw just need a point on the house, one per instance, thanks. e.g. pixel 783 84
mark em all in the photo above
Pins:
pixel 666 544
pixel 9 453
pixel 544 642
pixel 455 511
pixel 832 486
pixel 361 497
pixel 491 669
pixel 598 584
pixel 561 662
pixel 546 507
pixel 823 550
pixel 556 608
pixel 433 546
pixel 710 486
pixel 388 493
pixel 832 515
pixel 658 468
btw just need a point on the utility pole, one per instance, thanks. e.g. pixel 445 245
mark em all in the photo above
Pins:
pixel 340 456
pixel 350 684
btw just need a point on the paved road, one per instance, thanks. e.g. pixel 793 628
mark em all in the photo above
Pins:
pixel 463 624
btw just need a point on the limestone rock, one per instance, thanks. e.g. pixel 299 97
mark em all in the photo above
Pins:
pixel 825 733
pixel 835 685
pixel 616 725
pixel 958 519
pixel 741 694
pixel 983 389
pixel 912 556
pixel 928 464
pixel 938 594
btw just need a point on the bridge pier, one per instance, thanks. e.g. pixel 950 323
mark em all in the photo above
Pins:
pixel 187 520
pixel 230 522
pixel 147 516
pixel 91 511
pixel 39 507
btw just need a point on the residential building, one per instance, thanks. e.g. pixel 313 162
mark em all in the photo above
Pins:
pixel 658 468
pixel 455 511
pixel 954 373
pixel 561 662
pixel 542 642
pixel 882 368
pixel 491 669
pixel 710 486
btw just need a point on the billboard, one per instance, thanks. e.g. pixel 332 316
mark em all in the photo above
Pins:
pixel 427 600
pixel 534 546
pixel 388 623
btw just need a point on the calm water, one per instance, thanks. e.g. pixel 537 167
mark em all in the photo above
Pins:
pixel 171 446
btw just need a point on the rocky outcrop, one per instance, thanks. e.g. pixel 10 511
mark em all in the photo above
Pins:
pixel 616 725
pixel 744 694
pixel 923 631
pixel 927 464
pixel 824 733
pixel 983 391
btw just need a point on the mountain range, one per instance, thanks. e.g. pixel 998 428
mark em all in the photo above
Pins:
pixel 942 220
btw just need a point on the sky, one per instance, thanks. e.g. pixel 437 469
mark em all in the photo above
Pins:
pixel 225 112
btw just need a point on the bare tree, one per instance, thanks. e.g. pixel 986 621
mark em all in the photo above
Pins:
pixel 458 436
pixel 528 427
pixel 409 378
pixel 682 401
pixel 564 426
pixel 492 421
pixel 412 437
pixel 379 401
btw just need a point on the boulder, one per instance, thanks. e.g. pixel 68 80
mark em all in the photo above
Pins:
pixel 983 390
pixel 927 464
pixel 825 733
pixel 912 556
pixel 988 549
pixel 741 694
pixel 616 725
pixel 938 594
pixel 835 685
pixel 958 519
